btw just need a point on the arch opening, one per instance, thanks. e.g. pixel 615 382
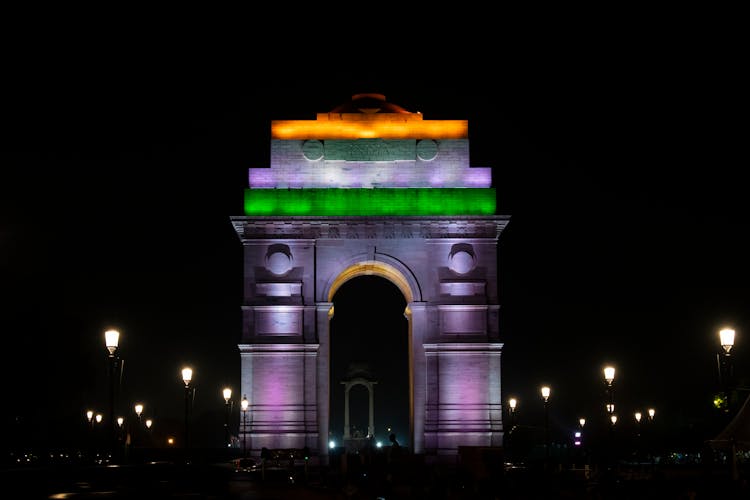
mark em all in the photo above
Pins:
pixel 369 341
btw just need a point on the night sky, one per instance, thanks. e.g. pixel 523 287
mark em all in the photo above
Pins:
pixel 621 169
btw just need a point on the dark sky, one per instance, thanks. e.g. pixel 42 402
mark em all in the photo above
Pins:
pixel 620 165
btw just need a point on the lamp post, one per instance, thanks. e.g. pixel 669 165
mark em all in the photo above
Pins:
pixel 90 418
pixel 650 435
pixel 545 395
pixel 244 405
pixel 609 377
pixel 111 341
pixel 227 393
pixel 638 416
pixel 612 422
pixel 137 430
pixel 724 364
pixel 580 441
pixel 187 376
pixel 120 429
pixel 508 437
pixel 512 402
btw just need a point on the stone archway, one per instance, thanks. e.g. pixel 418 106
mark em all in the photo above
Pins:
pixel 399 277
pixel 370 188
pixel 370 386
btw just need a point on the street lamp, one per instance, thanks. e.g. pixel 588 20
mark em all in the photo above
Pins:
pixel 545 395
pixel 724 363
pixel 609 377
pixel 244 405
pixel 187 376
pixel 138 410
pixel 726 337
pixel 609 374
pixel 149 423
pixel 613 419
pixel 508 437
pixel 227 393
pixel 90 418
pixel 512 402
pixel 582 422
pixel 111 340
pixel 651 413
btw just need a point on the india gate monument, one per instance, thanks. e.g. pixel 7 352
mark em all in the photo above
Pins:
pixel 369 188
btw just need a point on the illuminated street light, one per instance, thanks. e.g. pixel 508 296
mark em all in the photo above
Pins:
pixel 726 336
pixel 111 341
pixel 545 393
pixel 609 377
pixel 90 415
pixel 138 410
pixel 545 390
pixel 187 377
pixel 638 417
pixel 651 413
pixel 512 402
pixel 149 423
pixel 227 393
pixel 723 400
pixel 613 419
pixel 609 374
pixel 120 421
pixel 245 404
pixel 582 421
pixel 98 418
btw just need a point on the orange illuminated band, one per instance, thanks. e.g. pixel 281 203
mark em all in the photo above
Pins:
pixel 369 129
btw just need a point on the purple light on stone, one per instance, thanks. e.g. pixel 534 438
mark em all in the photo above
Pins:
pixel 437 179
pixel 478 177
pixel 261 178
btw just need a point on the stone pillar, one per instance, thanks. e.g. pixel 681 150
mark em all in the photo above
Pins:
pixel 323 313
pixel 347 430
pixel 371 422
pixel 416 313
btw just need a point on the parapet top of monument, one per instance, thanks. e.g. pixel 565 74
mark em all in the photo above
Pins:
pixel 372 106
pixel 369 157
pixel 369 116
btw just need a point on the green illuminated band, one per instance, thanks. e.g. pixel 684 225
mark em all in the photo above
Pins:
pixel 372 202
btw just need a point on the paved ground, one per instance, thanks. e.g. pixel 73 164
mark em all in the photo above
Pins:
pixel 221 481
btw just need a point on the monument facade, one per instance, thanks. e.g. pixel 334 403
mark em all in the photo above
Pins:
pixel 370 188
